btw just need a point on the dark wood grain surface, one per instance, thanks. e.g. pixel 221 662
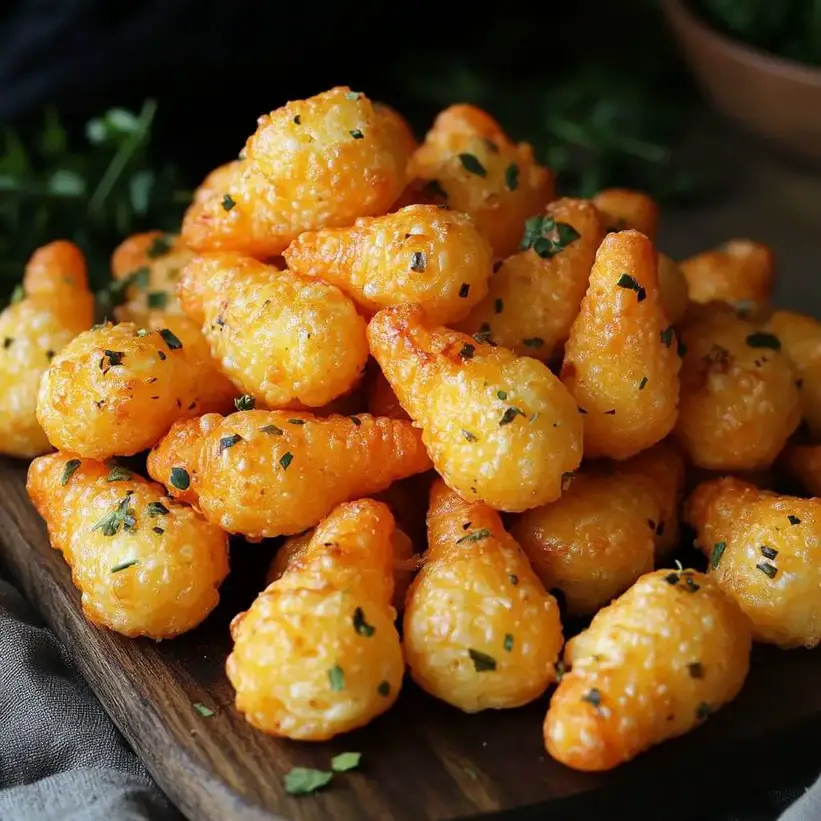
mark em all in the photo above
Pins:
pixel 423 760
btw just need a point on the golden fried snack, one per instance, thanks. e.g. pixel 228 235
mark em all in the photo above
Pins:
pixel 317 654
pixel 480 632
pixel 764 551
pixel 482 410
pixel 535 295
pixel 382 400
pixel 55 307
pixel 285 339
pixel 295 547
pixel 217 180
pixel 672 289
pixel 621 362
pixel 436 258
pixel 739 402
pixel 624 208
pixel 800 338
pixel 401 133
pixel 144 564
pixel 736 271
pixel 594 542
pixel 272 473
pixel 116 389
pixel 651 666
pixel 803 464
pixel 470 164
pixel 662 472
pixel 152 262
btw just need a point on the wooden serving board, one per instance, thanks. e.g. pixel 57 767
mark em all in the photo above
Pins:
pixel 423 761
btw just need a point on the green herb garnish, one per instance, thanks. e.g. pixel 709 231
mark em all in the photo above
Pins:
pixel 118 474
pixel 205 712
pixel 286 460
pixel 228 202
pixel 121 517
pixel 464 290
pixel 472 165
pixel 418 261
pixel 482 662
pixel 124 565
pixel 631 284
pixel 157 300
pixel 360 625
pixel 229 441
pixel 508 642
pixel 509 415
pixel 512 177
pixel 68 470
pixel 344 762
pixel 718 552
pixel 764 340
pixel 476 536
pixel 306 780
pixel 336 676
pixel 245 402
pixel 180 478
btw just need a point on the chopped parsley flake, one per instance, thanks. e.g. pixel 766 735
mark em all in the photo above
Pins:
pixel 180 478
pixel 124 565
pixel 718 552
pixel 508 642
pixel 357 134
pixel 383 688
pixel 272 429
pixel 502 395
pixel 593 697
pixel 538 236
pixel 121 517
pixel 768 552
pixel 157 300
pixel 419 261
pixel 467 351
pixel 360 625
pixel 476 536
pixel 482 662
pixel 158 530
pixel 245 402
pixel 228 202
pixel 667 336
pixel 352 95
pixel 155 509
pixel 68 470
pixel 305 780
pixel 17 294
pixel 794 520
pixel 336 676
pixel 512 177
pixel 286 460
pixel 298 120
pixel 114 358
pixel 671 578
pixel 498 306
pixel 229 441
pixel 464 290
pixel 631 284
pixel 356 420
pixel 472 165
pixel 7 343
pixel 514 579
pixel 345 761
pixel 509 415
pixel 696 670
pixel 533 342
pixel 170 339
pixel 643 383
pixel 767 569
pixel 205 712
pixel 296 421
pixel 118 474
pixel 764 340
pixel 703 712
pixel 469 436
pixel 159 247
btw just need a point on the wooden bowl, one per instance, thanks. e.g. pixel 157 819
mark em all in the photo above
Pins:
pixel 769 97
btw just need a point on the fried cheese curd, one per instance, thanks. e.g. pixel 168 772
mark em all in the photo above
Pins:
pixel 535 294
pixel 739 270
pixel 764 551
pixel 318 654
pixel 593 542
pixel 436 258
pixel 480 632
pixel 294 548
pixel 800 338
pixel 468 163
pixel 739 402
pixel 285 339
pixel 802 463
pixel 315 163
pixel 55 306
pixel 662 472
pixel 620 362
pixel 481 409
pixel 116 389
pixel 273 473
pixel 144 564
pixel 652 666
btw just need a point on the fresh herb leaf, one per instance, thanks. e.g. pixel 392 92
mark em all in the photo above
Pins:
pixel 229 441
pixel 482 662
pixel 593 697
pixel 286 460
pixel 767 569
pixel 794 520
pixel 68 470
pixel 228 202
pixel 768 552
pixel 360 625
pixel 464 290
pixel 17 294
pixel 764 340
pixel 159 247
pixel 472 165
pixel 631 284
pixel 418 261
pixel 384 689
pixel 170 339
pixel 667 336
pixel 512 177
pixel 467 351
pixel 502 395
pixel 124 565
pixel 643 383
pixel 119 474
pixel 180 479
pixel 272 429
pixel 296 421
pixel 718 552
pixel 336 676
pixel 121 517
pixel 245 402
pixel 157 300
pixel 508 642
pixel 469 436
pixel 305 780
pixel 547 237
pixel 154 509
pixel 356 134
pixel 498 306
pixel 509 415
pixel 476 536
pixel 533 342
pixel 696 669
pixel 344 762
pixel 205 712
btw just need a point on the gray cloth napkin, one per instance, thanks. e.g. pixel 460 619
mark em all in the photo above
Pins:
pixel 61 758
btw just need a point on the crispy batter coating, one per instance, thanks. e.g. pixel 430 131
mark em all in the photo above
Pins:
pixel 624 208
pixel 594 542
pixel 481 408
pixel 800 337
pixel 144 564
pixel 803 464
pixel 153 261
pixel 404 563
pixel 436 258
pixel 739 402
pixel 535 295
pixel 662 472
pixel 400 129
pixel 672 289
pixel 736 271
pixel 480 631
pixel 269 473
pixel 621 362
pixel 651 666
pixel 765 552
pixel 382 400
pixel 470 164
pixel 285 339
pixel 317 654
pixel 116 389
pixel 56 306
